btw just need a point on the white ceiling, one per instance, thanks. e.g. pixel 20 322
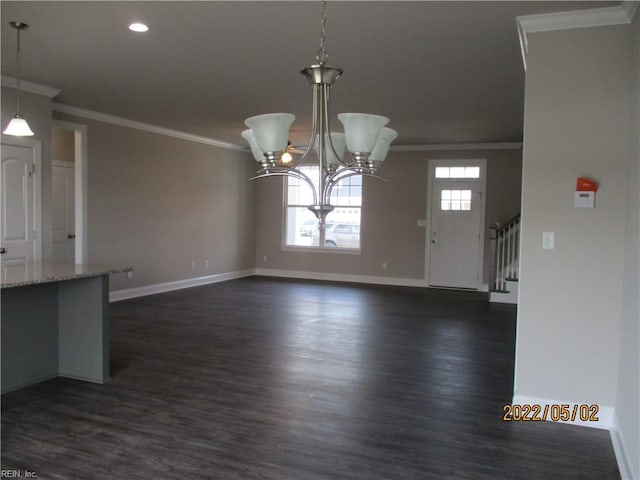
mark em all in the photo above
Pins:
pixel 444 72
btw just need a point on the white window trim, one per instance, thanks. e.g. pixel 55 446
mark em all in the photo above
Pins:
pixel 312 249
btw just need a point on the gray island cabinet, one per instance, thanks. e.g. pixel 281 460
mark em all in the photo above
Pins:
pixel 55 322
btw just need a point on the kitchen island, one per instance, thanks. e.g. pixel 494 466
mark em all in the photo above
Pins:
pixel 55 322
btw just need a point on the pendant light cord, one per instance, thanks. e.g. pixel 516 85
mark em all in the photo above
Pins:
pixel 322 56
pixel 18 70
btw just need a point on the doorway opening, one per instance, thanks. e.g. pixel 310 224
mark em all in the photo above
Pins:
pixel 69 191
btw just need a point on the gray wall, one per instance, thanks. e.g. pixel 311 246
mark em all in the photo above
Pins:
pixel 36 109
pixel 159 203
pixel 628 395
pixel 389 215
pixel 62 145
pixel 577 112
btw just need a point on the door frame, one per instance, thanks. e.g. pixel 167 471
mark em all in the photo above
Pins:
pixel 81 185
pixel 36 149
pixel 461 162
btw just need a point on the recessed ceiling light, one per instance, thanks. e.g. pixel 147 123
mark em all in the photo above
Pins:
pixel 138 27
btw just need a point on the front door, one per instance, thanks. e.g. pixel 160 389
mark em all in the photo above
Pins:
pixel 455 241
pixel 17 196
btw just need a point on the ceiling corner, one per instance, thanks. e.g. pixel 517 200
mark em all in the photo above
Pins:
pixel 593 17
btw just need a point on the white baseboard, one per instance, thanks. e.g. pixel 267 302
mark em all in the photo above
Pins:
pixel 119 295
pixel 84 379
pixel 605 414
pixel 342 277
pixel 622 456
pixel 126 294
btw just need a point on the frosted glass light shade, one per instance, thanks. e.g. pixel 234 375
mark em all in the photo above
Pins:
pixel 18 127
pixel 255 150
pixel 361 130
pixel 379 153
pixel 338 141
pixel 271 130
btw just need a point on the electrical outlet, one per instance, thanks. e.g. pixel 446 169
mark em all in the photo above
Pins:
pixel 384 265
pixel 130 274
pixel 206 264
pixel 264 259
pixel 193 265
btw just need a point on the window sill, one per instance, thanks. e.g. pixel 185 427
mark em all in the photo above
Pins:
pixel 341 251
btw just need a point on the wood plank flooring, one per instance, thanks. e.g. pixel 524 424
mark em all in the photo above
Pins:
pixel 273 379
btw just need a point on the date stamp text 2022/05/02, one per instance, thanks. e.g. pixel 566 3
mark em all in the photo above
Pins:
pixel 555 412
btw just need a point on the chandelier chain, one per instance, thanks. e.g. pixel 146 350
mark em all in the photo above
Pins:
pixel 322 55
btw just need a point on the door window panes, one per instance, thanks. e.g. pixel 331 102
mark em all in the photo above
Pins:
pixel 458 172
pixel 455 200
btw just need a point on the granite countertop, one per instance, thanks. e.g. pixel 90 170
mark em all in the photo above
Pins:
pixel 33 273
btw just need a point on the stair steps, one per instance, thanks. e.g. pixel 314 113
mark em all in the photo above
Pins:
pixel 508 295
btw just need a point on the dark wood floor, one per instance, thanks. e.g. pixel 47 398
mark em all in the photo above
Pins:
pixel 272 379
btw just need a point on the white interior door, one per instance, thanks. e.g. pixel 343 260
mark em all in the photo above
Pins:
pixel 18 209
pixel 63 209
pixel 455 234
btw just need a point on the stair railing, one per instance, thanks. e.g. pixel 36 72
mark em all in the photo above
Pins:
pixel 505 247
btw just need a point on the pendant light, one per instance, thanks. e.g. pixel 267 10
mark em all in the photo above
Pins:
pixel 18 126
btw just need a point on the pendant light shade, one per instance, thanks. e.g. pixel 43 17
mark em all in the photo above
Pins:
pixel 379 153
pixel 361 130
pixel 255 150
pixel 18 126
pixel 271 130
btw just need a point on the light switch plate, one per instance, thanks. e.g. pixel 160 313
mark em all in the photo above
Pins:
pixel 548 240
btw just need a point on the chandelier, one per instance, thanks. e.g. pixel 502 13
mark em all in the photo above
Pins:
pixel 365 137
pixel 18 126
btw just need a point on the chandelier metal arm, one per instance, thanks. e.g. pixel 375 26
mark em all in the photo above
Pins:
pixel 314 125
pixel 320 126
pixel 322 137
pixel 288 172
pixel 327 127
pixel 340 175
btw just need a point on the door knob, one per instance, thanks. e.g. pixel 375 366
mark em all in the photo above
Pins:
pixel 71 236
pixel 3 250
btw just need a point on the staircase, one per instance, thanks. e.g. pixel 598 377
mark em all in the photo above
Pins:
pixel 505 249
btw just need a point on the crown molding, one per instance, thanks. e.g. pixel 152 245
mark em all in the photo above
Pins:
pixel 31 87
pixel 124 122
pixel 630 7
pixel 593 17
pixel 438 147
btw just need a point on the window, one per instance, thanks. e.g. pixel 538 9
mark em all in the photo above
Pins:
pixel 455 200
pixel 457 172
pixel 342 228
